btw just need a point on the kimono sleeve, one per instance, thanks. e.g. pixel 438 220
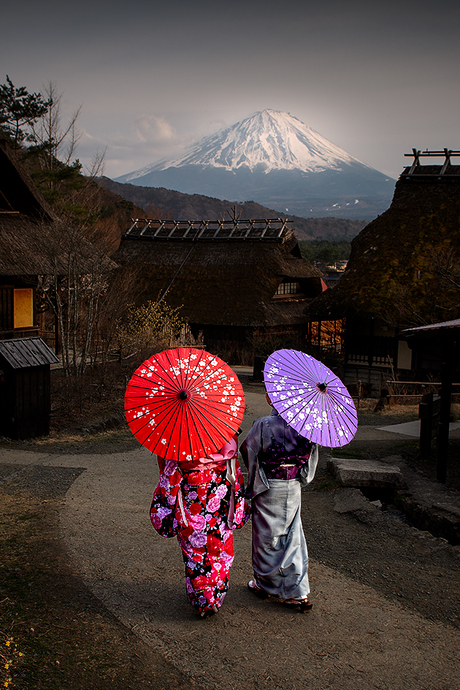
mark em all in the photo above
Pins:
pixel 165 500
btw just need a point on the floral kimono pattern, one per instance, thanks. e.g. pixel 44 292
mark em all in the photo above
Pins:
pixel 202 506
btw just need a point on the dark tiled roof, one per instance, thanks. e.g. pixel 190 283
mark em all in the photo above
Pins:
pixel 21 353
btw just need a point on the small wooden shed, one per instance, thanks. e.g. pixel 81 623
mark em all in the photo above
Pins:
pixel 25 400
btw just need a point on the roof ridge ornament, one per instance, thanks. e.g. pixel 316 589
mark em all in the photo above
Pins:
pixel 166 229
pixel 417 154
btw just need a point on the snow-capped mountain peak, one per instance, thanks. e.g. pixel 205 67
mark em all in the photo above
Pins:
pixel 277 161
pixel 268 140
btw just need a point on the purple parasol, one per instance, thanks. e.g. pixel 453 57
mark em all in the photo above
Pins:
pixel 310 398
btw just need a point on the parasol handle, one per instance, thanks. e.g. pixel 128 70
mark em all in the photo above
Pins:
pixel 321 387
pixel 183 395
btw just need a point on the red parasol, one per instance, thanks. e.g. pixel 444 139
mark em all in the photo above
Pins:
pixel 184 404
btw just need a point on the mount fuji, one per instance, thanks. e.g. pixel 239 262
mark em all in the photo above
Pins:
pixel 276 160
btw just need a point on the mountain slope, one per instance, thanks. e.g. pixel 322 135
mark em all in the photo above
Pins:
pixel 276 160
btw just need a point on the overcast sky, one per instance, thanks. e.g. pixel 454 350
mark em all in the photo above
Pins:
pixel 375 78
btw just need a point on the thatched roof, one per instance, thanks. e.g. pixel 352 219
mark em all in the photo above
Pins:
pixel 404 265
pixel 33 241
pixel 26 221
pixel 221 281
pixel 18 194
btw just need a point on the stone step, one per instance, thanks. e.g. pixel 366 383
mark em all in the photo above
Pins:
pixel 366 473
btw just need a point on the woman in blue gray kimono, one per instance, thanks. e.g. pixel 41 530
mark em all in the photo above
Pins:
pixel 279 463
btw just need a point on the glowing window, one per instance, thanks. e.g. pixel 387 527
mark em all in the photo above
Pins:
pixel 23 308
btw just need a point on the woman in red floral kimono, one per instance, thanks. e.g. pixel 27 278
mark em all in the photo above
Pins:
pixel 201 502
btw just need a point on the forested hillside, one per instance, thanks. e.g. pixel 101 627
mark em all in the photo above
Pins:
pixel 166 203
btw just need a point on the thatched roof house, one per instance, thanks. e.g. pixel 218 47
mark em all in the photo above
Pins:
pixel 235 281
pixel 25 218
pixel 33 243
pixel 25 222
pixel 404 269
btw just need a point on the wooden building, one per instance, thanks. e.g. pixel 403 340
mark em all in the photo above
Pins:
pixel 34 245
pixel 403 272
pixel 29 246
pixel 25 400
pixel 241 283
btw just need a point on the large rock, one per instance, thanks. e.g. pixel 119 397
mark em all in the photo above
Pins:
pixel 355 472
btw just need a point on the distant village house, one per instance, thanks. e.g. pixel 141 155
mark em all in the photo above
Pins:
pixel 240 283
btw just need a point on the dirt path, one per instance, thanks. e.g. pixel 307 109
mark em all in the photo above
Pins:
pixel 370 584
pixel 385 595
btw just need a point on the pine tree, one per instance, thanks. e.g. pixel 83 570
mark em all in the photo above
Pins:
pixel 18 110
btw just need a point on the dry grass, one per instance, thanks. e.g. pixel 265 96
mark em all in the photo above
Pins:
pixel 61 636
